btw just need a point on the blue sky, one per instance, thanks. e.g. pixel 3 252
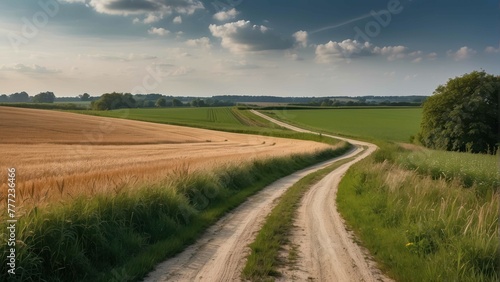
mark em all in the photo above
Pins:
pixel 255 47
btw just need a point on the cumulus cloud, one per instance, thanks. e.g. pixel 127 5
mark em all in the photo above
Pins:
pixel 203 42
pixel 160 31
pixel 334 51
pixel 152 10
pixel 223 16
pixel 22 68
pixel 391 52
pixel 133 7
pixel 301 38
pixel 242 36
pixel 462 53
pixel 337 51
pixel 177 20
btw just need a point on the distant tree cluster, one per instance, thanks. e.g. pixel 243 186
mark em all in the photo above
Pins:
pixel 463 115
pixel 210 102
pixel 112 101
pixel 44 97
pixel 21 97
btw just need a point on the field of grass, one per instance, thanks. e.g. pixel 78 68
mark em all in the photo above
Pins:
pixel 64 155
pixel 425 215
pixel 102 199
pixel 210 118
pixel 228 119
pixel 122 237
pixel 393 124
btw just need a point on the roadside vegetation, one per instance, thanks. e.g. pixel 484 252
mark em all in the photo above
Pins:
pixel 425 215
pixel 122 236
pixel 263 262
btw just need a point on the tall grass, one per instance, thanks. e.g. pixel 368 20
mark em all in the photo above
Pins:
pixel 422 227
pixel 121 237
pixel 471 169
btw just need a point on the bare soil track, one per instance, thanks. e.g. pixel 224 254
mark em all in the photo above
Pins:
pixel 327 251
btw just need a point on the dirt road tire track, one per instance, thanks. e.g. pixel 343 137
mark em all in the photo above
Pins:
pixel 327 251
pixel 220 254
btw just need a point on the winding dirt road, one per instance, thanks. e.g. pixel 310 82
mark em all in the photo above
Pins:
pixel 327 252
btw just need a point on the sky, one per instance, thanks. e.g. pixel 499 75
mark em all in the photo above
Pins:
pixel 244 47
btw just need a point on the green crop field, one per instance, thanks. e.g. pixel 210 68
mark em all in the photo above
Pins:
pixel 219 118
pixel 196 117
pixel 396 124
pixel 426 215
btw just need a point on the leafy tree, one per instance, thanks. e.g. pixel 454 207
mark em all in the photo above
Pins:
pixel 4 98
pixel 21 97
pixel 161 103
pixel 463 114
pixel 111 101
pixel 85 97
pixel 44 97
pixel 177 103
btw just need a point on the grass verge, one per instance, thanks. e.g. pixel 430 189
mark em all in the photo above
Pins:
pixel 263 261
pixel 418 226
pixel 122 237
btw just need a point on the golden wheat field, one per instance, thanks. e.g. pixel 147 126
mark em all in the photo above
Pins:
pixel 59 155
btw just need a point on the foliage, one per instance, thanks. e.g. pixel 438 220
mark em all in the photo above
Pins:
pixel 21 97
pixel 161 103
pixel 112 101
pixel 421 228
pixel 85 97
pixel 463 114
pixel 480 171
pixel 127 234
pixel 44 97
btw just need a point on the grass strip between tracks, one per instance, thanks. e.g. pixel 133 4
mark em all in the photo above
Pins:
pixel 263 261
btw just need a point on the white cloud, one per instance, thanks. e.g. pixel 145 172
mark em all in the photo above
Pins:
pixel 203 42
pixel 160 31
pixel 28 69
pixel 347 49
pixel 242 36
pixel 152 10
pixel 335 51
pixel 151 18
pixel 177 20
pixel 492 50
pixel 301 38
pixel 462 53
pixel 392 52
pixel 223 16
